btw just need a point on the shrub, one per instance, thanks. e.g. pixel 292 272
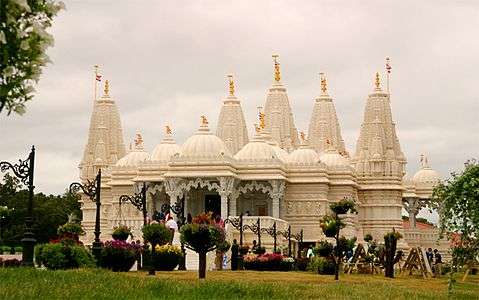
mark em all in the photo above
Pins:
pixel 157 234
pixel 18 249
pixel 330 226
pixel 368 237
pixel 321 265
pixel 223 247
pixel 268 262
pixel 121 233
pixel 119 256
pixel 166 257
pixel 301 263
pixel 70 229
pixel 343 206
pixel 259 250
pixel 324 249
pixel 56 256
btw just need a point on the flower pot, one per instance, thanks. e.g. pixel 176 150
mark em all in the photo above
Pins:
pixel 123 236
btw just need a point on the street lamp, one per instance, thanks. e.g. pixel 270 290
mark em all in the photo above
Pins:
pixel 138 200
pixel 93 190
pixel 24 171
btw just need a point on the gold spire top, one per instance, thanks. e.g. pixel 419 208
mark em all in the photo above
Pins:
pixel 138 140
pixel 204 120
pixel 106 90
pixel 262 124
pixel 303 136
pixel 167 129
pixel 324 84
pixel 377 82
pixel 277 72
pixel 256 128
pixel 231 85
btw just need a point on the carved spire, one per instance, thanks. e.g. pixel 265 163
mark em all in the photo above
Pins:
pixel 231 123
pixel 231 85
pixel 277 71
pixel 324 123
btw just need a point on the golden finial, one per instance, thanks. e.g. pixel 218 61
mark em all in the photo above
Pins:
pixel 256 128
pixel 277 72
pixel 106 91
pixel 231 85
pixel 138 139
pixel 262 124
pixel 324 84
pixel 303 136
pixel 328 142
pixel 204 120
pixel 167 129
pixel 377 82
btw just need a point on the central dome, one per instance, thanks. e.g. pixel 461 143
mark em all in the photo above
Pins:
pixel 136 156
pixel 257 150
pixel 204 145
pixel 166 149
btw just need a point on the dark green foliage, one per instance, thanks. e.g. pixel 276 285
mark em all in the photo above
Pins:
pixel 23 45
pixel 202 237
pixel 49 212
pixel 157 234
pixel 70 229
pixel 324 249
pixel 343 206
pixel 457 201
pixel 119 256
pixel 223 247
pixel 322 265
pixel 390 246
pixel 368 237
pixel 121 233
pixel 56 256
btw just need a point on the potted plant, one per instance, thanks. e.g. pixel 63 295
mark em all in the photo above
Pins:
pixel 166 257
pixel 156 234
pixel 119 256
pixel 121 233
pixel 330 226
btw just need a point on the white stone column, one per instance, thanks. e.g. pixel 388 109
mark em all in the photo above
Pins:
pixel 276 195
pixel 233 205
pixel 275 210
pixel 224 205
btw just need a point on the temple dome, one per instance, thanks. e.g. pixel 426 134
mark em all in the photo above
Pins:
pixel 426 175
pixel 257 149
pixel 166 149
pixel 332 158
pixel 281 154
pixel 136 156
pixel 304 155
pixel 204 144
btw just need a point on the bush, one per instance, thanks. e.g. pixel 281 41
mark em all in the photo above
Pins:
pixel 166 257
pixel 368 237
pixel 57 256
pixel 157 234
pixel 321 265
pixel 259 250
pixel 119 256
pixel 121 233
pixel 324 249
pixel 223 247
pixel 343 206
pixel 70 229
pixel 268 262
pixel 301 263
pixel 18 249
pixel 330 226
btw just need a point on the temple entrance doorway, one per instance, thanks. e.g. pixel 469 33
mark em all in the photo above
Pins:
pixel 213 204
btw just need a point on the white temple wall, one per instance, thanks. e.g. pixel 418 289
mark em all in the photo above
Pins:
pixel 256 203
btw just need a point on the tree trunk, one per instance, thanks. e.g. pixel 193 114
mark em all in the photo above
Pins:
pixel 337 258
pixel 202 265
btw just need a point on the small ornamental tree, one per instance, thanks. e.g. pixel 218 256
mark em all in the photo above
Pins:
pixel 202 236
pixel 332 225
pixel 390 255
pixel 23 45
pixel 457 202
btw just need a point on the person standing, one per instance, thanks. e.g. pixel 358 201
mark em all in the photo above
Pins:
pixel 430 256
pixel 310 253
pixel 234 255
pixel 172 226
pixel 437 263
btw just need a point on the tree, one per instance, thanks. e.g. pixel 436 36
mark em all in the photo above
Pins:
pixel 49 212
pixel 23 44
pixel 457 201
pixel 202 236
pixel 332 225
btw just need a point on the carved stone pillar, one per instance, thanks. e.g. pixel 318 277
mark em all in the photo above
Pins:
pixel 412 207
pixel 225 191
pixel 171 189
pixel 224 205
pixel 232 206
pixel 276 196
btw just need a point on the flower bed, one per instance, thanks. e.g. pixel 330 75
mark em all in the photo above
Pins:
pixel 119 256
pixel 166 257
pixel 268 262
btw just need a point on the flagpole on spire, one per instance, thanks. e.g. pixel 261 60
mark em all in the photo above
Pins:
pixel 388 72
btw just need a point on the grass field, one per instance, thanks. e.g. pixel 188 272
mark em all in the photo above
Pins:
pixel 100 284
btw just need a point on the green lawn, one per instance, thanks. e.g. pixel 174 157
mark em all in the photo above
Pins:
pixel 100 284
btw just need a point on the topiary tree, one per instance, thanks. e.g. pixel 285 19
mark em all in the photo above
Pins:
pixel 332 225
pixel 23 44
pixel 390 255
pixel 457 202
pixel 156 234
pixel 202 236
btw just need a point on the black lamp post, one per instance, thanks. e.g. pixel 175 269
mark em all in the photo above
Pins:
pixel 179 210
pixel 138 200
pixel 93 190
pixel 24 171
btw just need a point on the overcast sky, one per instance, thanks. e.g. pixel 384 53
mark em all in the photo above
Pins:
pixel 167 62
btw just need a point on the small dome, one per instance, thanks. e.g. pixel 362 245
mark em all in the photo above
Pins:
pixel 332 158
pixel 426 175
pixel 304 155
pixel 166 149
pixel 281 154
pixel 204 144
pixel 407 181
pixel 135 156
pixel 256 150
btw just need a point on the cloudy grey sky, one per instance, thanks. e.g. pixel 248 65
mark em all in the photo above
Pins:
pixel 167 62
